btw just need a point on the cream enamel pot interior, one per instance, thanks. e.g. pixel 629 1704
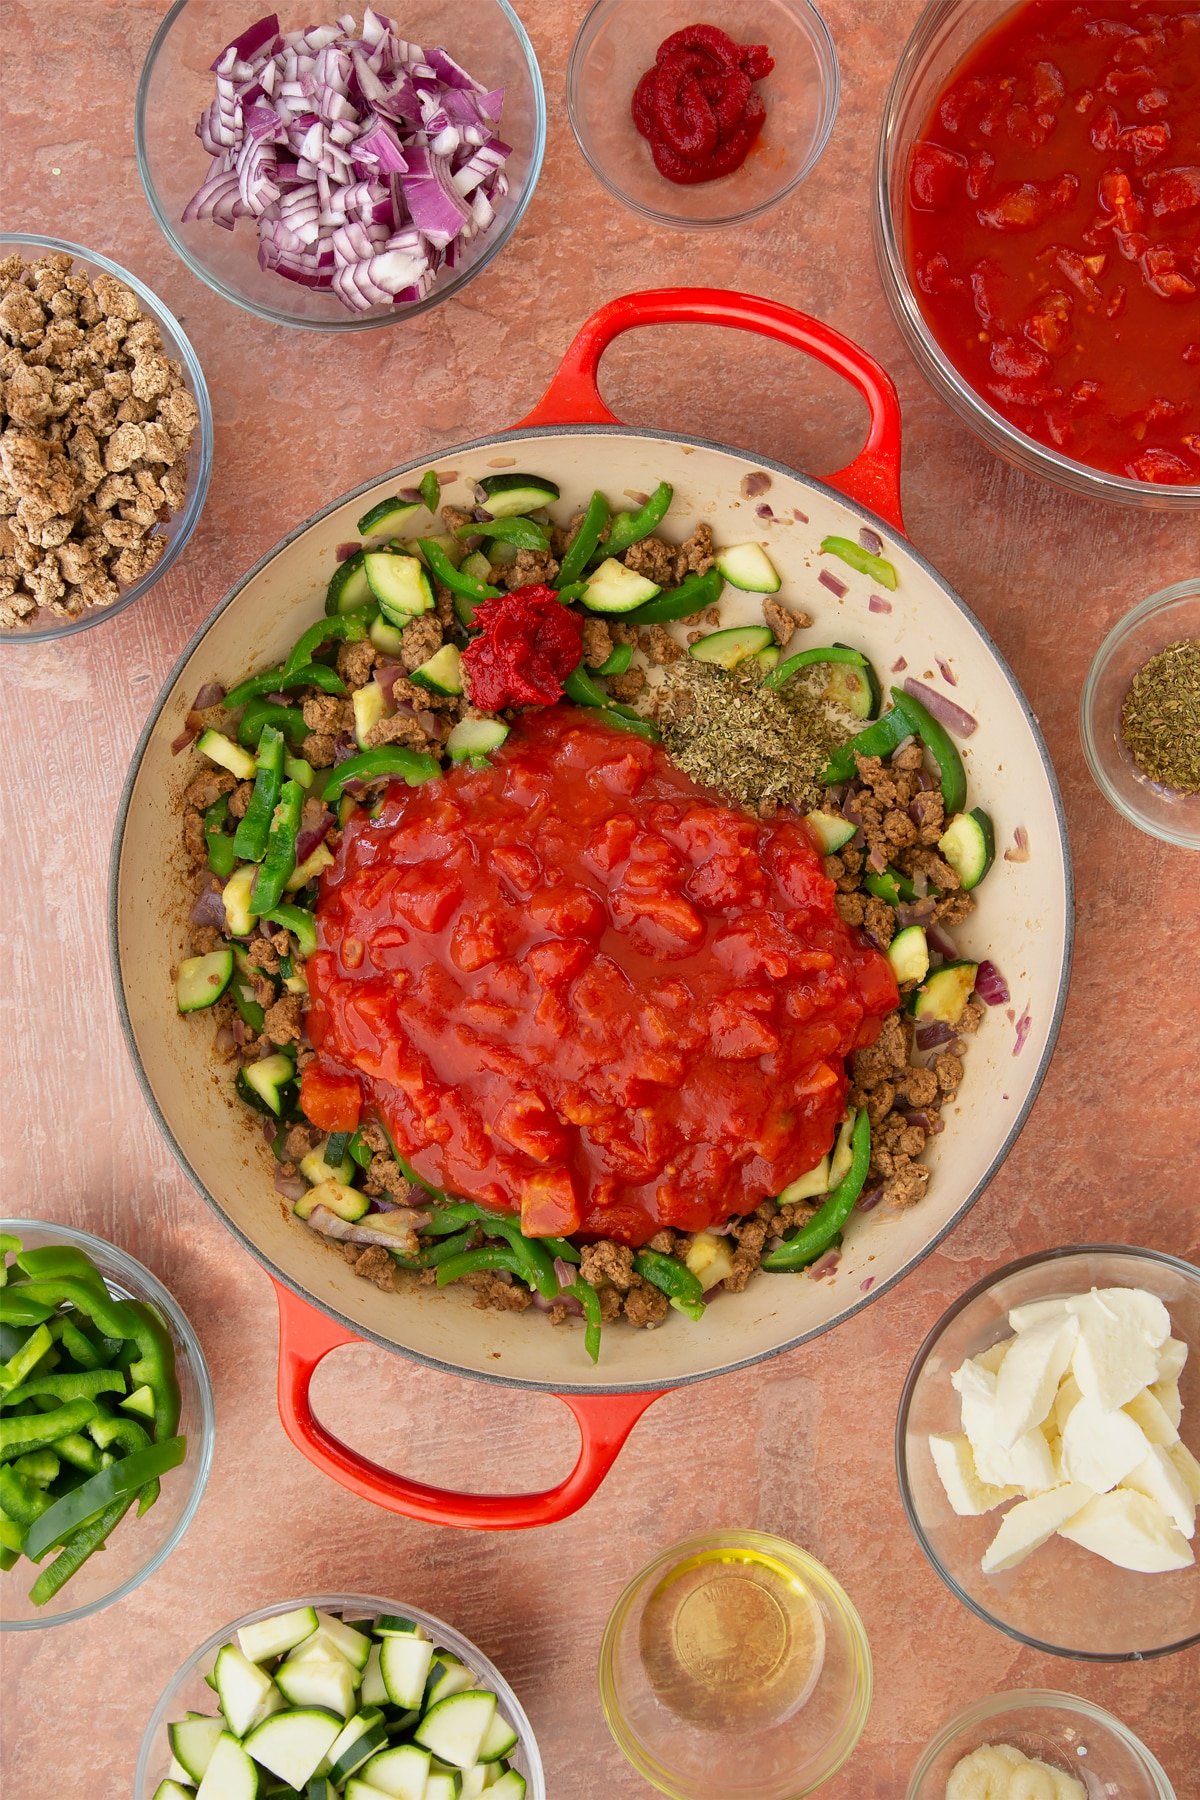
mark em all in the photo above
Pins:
pixel 1023 921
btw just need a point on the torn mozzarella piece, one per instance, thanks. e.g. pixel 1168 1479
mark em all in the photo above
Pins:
pixel 1152 1418
pixel 1172 1357
pixel 1037 1312
pixel 1167 1394
pixel 1099 1448
pixel 1067 1397
pixel 1188 1467
pixel 1113 1359
pixel 1031 1523
pixel 1029 1376
pixel 1158 1478
pixel 1129 1530
pixel 954 1461
pixel 991 1358
pixel 1027 1464
pixel 1002 1772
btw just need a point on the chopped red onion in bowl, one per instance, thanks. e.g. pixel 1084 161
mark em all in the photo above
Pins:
pixel 947 712
pixel 834 583
pixel 366 162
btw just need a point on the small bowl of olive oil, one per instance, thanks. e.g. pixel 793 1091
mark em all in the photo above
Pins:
pixel 734 1667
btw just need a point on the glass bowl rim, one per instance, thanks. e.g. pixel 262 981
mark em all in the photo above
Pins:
pixel 188 514
pixel 822 1578
pixel 1164 1257
pixel 1037 1699
pixel 440 291
pixel 1000 435
pixel 1187 589
pixel 150 1287
pixel 829 65
pixel 371 1604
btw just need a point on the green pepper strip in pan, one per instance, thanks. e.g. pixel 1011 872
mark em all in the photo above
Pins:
pixel 940 745
pixel 559 1247
pixel 288 719
pixel 523 534
pixel 693 594
pixel 75 1552
pixel 813 1239
pixel 348 627
pixel 589 1299
pixel 273 681
pixel 279 858
pixel 804 659
pixel 444 570
pixel 488 1256
pixel 617 663
pixel 301 924
pixel 579 687
pixel 445 1250
pixel 877 567
pixel 674 1278
pixel 412 766
pixel 626 720
pixel 583 544
pixel 41 1431
pixel 430 489
pixel 250 838
pixel 890 885
pixel 629 528
pixel 880 738
pixel 536 1265
pixel 222 857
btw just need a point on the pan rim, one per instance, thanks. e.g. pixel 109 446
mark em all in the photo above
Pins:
pixel 366 1334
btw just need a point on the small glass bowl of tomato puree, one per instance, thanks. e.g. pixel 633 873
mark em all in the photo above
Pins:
pixel 1037 229
pixel 618 42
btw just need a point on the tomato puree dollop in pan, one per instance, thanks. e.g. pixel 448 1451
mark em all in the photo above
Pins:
pixel 1054 229
pixel 580 988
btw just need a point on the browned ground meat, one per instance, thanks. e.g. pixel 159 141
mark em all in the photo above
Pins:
pixel 326 714
pixel 385 1177
pixel 782 621
pixel 239 799
pixel 645 1305
pixel 373 1264
pixel 530 566
pixel 319 749
pixel 629 686
pixel 208 787
pixel 263 954
pixel 419 641
pixel 299 1141
pixel 493 1294
pixel 401 728
pixel 355 662
pixel 193 836
pixel 607 1262
pixel 284 1022
pixel 658 644
pixel 597 642
pixel 653 559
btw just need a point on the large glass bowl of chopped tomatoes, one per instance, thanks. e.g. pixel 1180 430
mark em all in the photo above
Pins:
pixel 1037 229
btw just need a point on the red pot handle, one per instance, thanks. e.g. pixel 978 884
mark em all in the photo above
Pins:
pixel 573 397
pixel 306 1336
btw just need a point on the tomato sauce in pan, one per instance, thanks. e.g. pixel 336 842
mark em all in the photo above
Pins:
pixel 578 987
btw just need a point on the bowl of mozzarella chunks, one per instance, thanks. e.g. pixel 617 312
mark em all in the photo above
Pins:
pixel 333 1698
pixel 1046 1451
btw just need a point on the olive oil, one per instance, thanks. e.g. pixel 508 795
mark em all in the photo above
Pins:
pixel 732 1639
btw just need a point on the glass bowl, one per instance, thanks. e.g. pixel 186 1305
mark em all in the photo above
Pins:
pixel 943 35
pixel 138 1547
pixel 180 526
pixel 187 1690
pixel 177 83
pixel 1072 1735
pixel 614 47
pixel 1163 619
pixel 1061 1599
pixel 734 1667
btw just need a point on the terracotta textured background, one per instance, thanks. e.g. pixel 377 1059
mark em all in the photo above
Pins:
pixel 801 1445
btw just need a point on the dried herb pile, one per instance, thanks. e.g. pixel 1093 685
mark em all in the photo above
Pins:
pixel 1160 720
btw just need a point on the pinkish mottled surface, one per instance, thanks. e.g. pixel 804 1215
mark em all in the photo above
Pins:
pixel 801 1445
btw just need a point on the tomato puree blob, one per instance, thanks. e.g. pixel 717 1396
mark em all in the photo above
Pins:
pixel 578 987
pixel 1053 226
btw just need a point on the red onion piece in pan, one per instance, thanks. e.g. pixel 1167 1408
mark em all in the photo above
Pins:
pixel 211 694
pixel 209 909
pixel 941 943
pixel 800 517
pixel 871 541
pixel 292 1187
pixel 947 712
pixel 756 483
pixel 990 985
pixel 947 672
pixel 864 1287
pixel 899 666
pixel 393 1230
pixel 834 583
pixel 877 604
pixel 312 835
pixel 764 511
pixel 1019 852
pixel 187 736
pixel 345 551
pixel 932 1037
pixel 871 1198
pixel 825 1265
pixel 1024 1024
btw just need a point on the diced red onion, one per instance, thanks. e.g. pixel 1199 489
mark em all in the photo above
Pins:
pixel 225 1040
pixel 946 671
pixel 209 909
pixel 928 1121
pixel 1019 852
pixel 292 1187
pixel 900 664
pixel 877 604
pixel 564 1272
pixel 941 943
pixel 344 747
pixel 211 694
pixel 946 712
pixel 187 736
pixel 933 1036
pixel 876 860
pixel 825 1265
pixel 864 1287
pixel 800 517
pixel 871 1198
pixel 833 582
pixel 310 131
pixel 756 483
pixel 387 674
pixel 915 912
pixel 990 985
pixel 764 511
pixel 1024 1024
pixel 920 883
pixel 312 835
pixel 871 541
pixel 393 1230
pixel 345 551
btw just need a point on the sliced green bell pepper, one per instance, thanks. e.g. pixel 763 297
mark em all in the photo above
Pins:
pixel 412 766
pixel 279 855
pixel 273 681
pixel 877 567
pixel 629 528
pixel 582 546
pixel 349 628
pixel 941 747
pixel 817 1236
pixel 693 594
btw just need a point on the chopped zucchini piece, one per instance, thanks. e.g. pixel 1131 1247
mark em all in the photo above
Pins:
pixel 343 1201
pixel 728 648
pixel 508 495
pixel 831 831
pixel 400 584
pixel 349 590
pixel 388 518
pixel 442 672
pixel 814 1181
pixel 969 846
pixel 202 980
pixel 747 566
pixel 370 707
pixel 940 999
pixel 615 589
pixel 908 954
pixel 227 755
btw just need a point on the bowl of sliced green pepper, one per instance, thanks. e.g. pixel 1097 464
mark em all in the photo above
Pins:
pixel 106 1424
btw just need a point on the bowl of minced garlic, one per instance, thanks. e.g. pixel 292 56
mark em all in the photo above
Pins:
pixel 1035 1744
pixel 1140 716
